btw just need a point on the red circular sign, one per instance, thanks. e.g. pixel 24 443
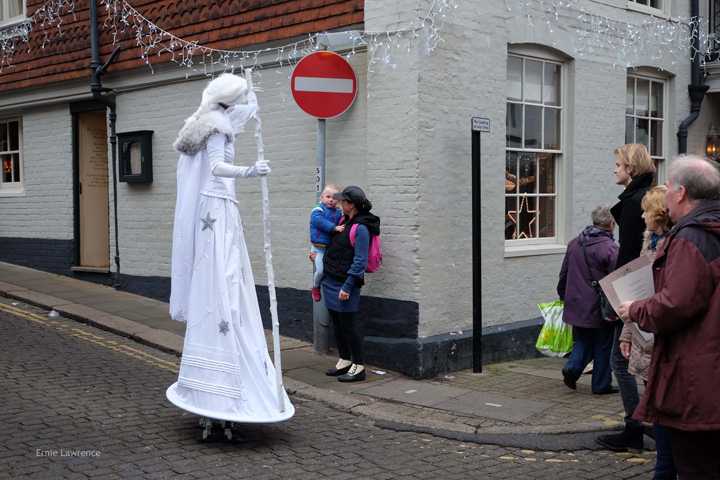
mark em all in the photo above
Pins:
pixel 323 84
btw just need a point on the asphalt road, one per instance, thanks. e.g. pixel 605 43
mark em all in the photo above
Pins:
pixel 78 402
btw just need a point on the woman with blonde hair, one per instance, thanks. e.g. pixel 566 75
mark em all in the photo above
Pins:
pixel 658 221
pixel 634 170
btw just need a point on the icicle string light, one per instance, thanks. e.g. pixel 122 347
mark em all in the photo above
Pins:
pixel 655 38
pixel 48 17
pixel 153 41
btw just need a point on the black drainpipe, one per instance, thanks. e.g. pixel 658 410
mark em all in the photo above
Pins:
pixel 98 69
pixel 696 89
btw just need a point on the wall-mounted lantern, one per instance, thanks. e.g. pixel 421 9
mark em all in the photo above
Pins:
pixel 135 154
pixel 712 149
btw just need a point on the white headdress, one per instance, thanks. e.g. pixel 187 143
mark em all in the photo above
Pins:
pixel 227 89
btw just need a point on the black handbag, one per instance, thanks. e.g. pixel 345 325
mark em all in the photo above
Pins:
pixel 604 304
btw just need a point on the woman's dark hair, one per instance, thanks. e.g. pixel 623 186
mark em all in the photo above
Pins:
pixel 365 207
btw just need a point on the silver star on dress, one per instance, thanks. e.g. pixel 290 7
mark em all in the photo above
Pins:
pixel 224 327
pixel 208 222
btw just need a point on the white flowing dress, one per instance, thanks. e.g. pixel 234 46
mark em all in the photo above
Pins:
pixel 226 372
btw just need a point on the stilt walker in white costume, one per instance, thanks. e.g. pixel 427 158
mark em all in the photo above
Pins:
pixel 226 372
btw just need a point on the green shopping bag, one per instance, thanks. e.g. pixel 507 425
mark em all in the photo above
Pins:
pixel 555 338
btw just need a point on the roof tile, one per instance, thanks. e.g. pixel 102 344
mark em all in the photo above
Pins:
pixel 221 25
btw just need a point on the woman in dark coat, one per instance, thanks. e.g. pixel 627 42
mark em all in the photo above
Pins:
pixel 592 334
pixel 345 263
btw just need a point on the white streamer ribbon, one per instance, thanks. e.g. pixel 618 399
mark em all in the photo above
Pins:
pixel 268 254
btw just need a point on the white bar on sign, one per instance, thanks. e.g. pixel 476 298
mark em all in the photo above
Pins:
pixel 327 85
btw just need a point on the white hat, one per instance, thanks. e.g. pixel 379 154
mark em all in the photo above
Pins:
pixel 227 89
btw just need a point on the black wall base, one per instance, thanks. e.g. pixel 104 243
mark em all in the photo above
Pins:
pixel 390 327
pixel 49 255
pixel 440 354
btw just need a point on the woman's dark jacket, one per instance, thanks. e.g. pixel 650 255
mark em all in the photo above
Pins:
pixel 628 217
pixel 340 253
pixel 574 287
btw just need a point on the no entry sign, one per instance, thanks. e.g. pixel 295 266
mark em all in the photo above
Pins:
pixel 324 84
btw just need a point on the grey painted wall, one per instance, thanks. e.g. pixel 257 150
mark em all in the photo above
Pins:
pixel 46 210
pixel 407 145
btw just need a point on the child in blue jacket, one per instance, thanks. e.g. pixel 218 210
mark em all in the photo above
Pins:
pixel 324 221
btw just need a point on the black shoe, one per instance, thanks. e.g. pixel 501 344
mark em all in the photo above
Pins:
pixel 569 378
pixel 351 376
pixel 608 391
pixel 335 372
pixel 629 440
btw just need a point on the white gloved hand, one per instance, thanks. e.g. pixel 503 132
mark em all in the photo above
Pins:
pixel 261 168
pixel 222 169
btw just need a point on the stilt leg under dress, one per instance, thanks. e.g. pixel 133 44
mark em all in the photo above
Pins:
pixel 226 372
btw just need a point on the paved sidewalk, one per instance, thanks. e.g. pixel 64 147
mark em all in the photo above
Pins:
pixel 522 397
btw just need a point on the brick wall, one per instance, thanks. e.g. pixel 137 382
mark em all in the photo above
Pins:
pixel 408 146
pixel 46 211
pixel 146 210
pixel 466 77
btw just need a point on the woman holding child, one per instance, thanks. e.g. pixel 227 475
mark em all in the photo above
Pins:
pixel 344 265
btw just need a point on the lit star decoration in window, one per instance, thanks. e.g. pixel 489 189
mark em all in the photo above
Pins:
pixel 208 222
pixel 523 202
pixel 224 327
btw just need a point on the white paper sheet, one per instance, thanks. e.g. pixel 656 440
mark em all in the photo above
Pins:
pixel 637 285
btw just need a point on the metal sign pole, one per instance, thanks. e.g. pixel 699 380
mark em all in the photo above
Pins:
pixel 320 168
pixel 321 317
pixel 478 125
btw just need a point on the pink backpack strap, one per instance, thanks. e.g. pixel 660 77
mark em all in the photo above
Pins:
pixel 352 234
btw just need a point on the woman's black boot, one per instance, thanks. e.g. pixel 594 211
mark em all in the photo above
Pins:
pixel 629 440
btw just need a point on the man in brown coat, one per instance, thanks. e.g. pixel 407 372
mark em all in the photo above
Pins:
pixel 683 390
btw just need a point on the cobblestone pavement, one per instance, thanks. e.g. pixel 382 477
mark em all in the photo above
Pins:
pixel 78 402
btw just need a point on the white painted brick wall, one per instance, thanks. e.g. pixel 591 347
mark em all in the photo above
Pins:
pixel 408 146
pixel 146 210
pixel 466 77
pixel 47 209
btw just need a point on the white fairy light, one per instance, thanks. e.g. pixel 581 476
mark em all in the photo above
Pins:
pixel 47 17
pixel 156 43
pixel 657 38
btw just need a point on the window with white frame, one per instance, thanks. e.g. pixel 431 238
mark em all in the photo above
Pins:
pixel 533 149
pixel 657 4
pixel 645 115
pixel 11 176
pixel 12 11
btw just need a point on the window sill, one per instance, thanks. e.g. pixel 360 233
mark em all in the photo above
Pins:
pixel 13 28
pixel 13 192
pixel 533 250
pixel 655 12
